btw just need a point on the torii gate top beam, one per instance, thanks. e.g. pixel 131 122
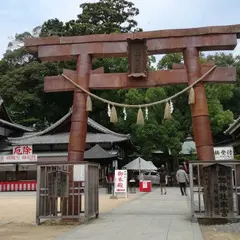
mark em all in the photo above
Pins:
pixel 115 45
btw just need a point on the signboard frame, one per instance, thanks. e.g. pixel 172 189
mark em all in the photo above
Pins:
pixel 223 153
pixel 79 173
pixel 18 158
pixel 121 182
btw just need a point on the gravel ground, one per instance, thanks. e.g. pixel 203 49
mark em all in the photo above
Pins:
pixel 228 228
pixel 229 231
pixel 17 216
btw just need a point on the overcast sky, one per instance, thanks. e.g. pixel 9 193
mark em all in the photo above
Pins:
pixel 17 16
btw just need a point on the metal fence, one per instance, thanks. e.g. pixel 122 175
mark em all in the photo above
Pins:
pixel 67 191
pixel 214 189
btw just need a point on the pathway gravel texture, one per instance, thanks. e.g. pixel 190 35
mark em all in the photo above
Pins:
pixel 228 228
pixel 152 216
pixel 18 211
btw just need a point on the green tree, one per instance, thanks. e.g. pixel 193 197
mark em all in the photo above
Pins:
pixel 169 59
pixel 218 95
pixel 22 73
pixel 104 16
pixel 230 94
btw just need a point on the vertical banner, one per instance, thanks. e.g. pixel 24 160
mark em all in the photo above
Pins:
pixel 120 182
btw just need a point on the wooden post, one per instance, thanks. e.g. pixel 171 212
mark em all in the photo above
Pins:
pixel 78 132
pixel 200 119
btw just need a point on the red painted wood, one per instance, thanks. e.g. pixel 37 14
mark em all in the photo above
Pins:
pixel 200 119
pixel 76 146
pixel 202 31
pixel 121 80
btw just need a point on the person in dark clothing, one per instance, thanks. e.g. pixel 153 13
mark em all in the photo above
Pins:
pixel 163 174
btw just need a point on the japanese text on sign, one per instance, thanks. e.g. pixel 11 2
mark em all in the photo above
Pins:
pixel 120 181
pixel 224 153
pixel 22 150
pixel 18 158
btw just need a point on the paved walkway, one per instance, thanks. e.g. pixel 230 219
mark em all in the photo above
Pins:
pixel 152 216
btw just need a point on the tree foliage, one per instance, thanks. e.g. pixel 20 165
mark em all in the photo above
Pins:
pixel 104 16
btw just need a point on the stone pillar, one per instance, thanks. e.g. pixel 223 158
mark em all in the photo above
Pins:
pixel 199 110
pixel 78 133
pixel 79 119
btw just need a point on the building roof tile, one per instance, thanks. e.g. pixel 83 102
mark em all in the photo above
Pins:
pixel 45 136
pixel 63 138
pixel 233 126
pixel 7 121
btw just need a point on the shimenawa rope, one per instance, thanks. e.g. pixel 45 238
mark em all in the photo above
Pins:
pixel 140 105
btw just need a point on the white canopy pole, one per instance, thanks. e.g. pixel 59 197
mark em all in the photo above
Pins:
pixel 139 167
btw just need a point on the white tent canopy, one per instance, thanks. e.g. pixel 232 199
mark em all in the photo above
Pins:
pixel 140 164
pixel 155 168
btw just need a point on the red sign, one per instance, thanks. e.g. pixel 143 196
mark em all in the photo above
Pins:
pixel 22 150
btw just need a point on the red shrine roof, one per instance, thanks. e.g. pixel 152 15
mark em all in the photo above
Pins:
pixel 55 134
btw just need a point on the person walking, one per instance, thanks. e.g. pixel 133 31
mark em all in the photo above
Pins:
pixel 163 175
pixel 182 179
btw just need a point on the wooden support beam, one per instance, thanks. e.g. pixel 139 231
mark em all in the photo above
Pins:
pixel 119 49
pixel 155 79
pixel 178 66
pixel 202 31
pixel 56 83
pixel 98 70
pixel 181 66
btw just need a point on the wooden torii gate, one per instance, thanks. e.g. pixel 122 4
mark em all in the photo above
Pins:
pixel 136 46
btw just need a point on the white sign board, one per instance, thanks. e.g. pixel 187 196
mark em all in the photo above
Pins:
pixel 144 184
pixel 22 150
pixel 18 158
pixel 120 181
pixel 224 153
pixel 79 173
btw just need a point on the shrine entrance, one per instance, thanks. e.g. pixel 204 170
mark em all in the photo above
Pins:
pixel 136 47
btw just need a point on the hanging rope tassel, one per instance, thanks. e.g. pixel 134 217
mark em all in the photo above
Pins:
pixel 109 110
pixel 191 98
pixel 167 111
pixel 142 105
pixel 171 106
pixel 89 104
pixel 113 117
pixel 140 117
pixel 146 113
pixel 124 114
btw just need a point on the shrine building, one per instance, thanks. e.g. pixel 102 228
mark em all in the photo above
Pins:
pixel 18 143
pixel 7 127
pixel 233 132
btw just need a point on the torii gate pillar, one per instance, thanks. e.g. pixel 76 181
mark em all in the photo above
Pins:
pixel 199 110
pixel 76 146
